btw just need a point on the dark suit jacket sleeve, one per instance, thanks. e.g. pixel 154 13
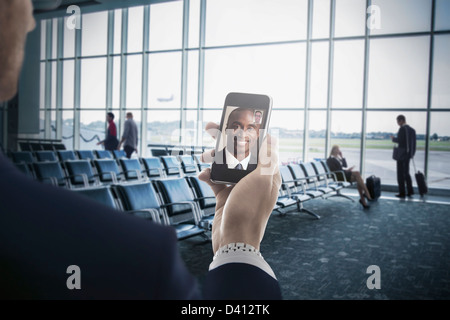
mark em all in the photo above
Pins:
pixel 45 229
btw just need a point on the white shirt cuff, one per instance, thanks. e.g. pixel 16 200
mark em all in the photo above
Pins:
pixel 240 253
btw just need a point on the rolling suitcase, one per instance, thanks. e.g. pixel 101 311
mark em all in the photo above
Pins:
pixel 373 184
pixel 420 179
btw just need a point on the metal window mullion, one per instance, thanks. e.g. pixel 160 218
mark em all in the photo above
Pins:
pixel 330 77
pixel 109 61
pixel 184 71
pixel 48 78
pixel 123 71
pixel 307 81
pixel 77 89
pixel 145 66
pixel 59 78
pixel 362 155
pixel 201 73
pixel 430 89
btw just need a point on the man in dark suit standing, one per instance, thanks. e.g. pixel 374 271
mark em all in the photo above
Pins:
pixel 406 139
pixel 56 244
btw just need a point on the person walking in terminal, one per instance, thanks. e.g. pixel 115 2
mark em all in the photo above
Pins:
pixel 336 162
pixel 406 139
pixel 129 136
pixel 110 143
pixel 47 233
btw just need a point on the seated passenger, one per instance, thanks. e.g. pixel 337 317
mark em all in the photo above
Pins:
pixel 336 162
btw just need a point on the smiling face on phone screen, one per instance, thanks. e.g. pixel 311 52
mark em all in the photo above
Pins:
pixel 242 132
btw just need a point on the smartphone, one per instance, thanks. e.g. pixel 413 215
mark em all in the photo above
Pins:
pixel 243 126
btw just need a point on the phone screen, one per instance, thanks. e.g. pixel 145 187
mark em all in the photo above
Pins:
pixel 242 129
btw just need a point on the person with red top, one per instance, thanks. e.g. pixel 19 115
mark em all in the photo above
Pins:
pixel 110 141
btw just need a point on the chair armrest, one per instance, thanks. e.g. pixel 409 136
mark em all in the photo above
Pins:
pixel 193 205
pixel 152 213
pixel 112 173
pixel 138 173
pixel 53 180
pixel 83 176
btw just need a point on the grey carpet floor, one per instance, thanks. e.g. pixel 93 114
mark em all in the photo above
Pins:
pixel 328 258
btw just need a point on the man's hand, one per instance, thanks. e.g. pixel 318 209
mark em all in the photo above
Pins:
pixel 242 210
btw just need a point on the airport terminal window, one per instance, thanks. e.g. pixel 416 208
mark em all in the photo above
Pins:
pixel 53 87
pixel 93 83
pixel 345 132
pixel 69 41
pixel 117 48
pixel 67 129
pixel 116 82
pixel 166 26
pixel 350 18
pixel 191 129
pixel 68 83
pixel 441 72
pixel 378 152
pixel 438 168
pixel 192 79
pixel 194 23
pixel 164 80
pixel 401 16
pixel 316 135
pixel 210 116
pixel 163 126
pixel 287 126
pixel 135 28
pixel 228 22
pixel 442 15
pixel 278 71
pixel 92 128
pixel 398 72
pixel 321 19
pixel 319 75
pixel 263 50
pixel 94 33
pixel 42 86
pixel 134 81
pixel 54 38
pixel 43 38
pixel 348 74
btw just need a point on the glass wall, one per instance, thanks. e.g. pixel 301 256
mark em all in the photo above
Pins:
pixel 338 72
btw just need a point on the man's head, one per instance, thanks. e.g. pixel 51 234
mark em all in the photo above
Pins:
pixel 401 120
pixel 109 116
pixel 16 20
pixel 242 132
pixel 129 115
pixel 258 116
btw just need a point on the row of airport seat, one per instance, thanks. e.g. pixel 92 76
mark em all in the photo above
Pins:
pixel 302 182
pixel 159 189
pixel 129 181
pixel 85 168
pixel 185 203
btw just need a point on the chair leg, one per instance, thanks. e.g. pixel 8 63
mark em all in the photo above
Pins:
pixel 311 213
pixel 339 194
pixel 301 209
